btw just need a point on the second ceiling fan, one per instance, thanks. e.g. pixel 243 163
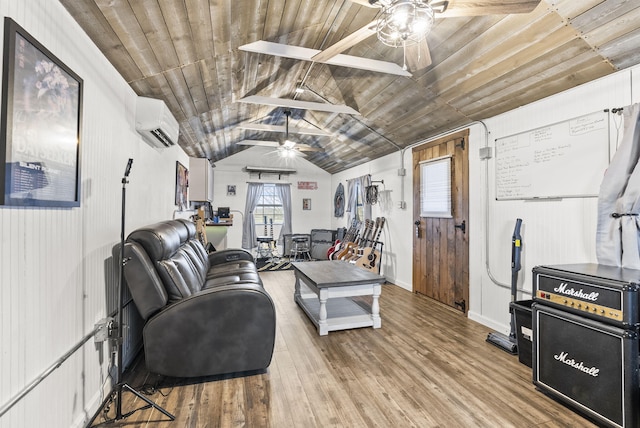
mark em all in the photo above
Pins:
pixel 288 147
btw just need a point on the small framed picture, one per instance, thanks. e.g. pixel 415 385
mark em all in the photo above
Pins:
pixel 306 204
pixel 182 184
pixel 231 190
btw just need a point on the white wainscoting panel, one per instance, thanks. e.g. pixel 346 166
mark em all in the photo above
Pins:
pixel 57 277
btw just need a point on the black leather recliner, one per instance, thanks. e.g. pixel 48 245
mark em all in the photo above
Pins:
pixel 205 314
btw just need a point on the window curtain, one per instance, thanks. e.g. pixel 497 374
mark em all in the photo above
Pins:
pixel 358 187
pixel 617 236
pixel 284 192
pixel 249 224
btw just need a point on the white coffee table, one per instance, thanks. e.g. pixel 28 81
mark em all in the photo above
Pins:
pixel 324 290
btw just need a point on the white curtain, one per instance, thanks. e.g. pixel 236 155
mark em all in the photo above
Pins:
pixel 249 224
pixel 284 192
pixel 358 187
pixel 617 236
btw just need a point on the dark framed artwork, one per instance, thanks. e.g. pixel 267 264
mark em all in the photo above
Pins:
pixel 40 125
pixel 306 204
pixel 182 184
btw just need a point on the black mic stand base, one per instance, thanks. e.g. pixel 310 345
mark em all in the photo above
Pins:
pixel 123 387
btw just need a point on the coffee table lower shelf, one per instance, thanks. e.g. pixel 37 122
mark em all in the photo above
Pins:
pixel 342 313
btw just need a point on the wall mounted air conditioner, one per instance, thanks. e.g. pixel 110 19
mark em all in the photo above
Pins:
pixel 155 123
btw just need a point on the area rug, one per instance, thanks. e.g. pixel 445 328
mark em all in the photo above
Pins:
pixel 266 266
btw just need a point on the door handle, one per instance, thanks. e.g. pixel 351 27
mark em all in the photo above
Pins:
pixel 462 226
pixel 417 223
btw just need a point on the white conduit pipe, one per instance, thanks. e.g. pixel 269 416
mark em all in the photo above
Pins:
pixel 27 389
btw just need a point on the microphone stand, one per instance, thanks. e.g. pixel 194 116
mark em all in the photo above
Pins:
pixel 122 386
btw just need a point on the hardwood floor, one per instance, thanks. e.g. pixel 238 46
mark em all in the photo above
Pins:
pixel 428 366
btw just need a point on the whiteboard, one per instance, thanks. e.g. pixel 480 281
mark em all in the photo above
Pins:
pixel 566 159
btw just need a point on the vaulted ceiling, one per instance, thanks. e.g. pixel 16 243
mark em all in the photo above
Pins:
pixel 186 52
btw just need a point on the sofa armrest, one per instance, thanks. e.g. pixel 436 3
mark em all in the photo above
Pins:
pixel 224 329
pixel 229 255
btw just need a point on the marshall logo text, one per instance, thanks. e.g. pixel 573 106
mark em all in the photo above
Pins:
pixel 563 358
pixel 562 289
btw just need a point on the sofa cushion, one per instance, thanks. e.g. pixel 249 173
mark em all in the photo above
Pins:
pixel 160 240
pixel 143 281
pixel 233 277
pixel 180 276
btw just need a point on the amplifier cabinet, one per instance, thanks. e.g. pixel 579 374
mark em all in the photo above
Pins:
pixel 603 293
pixel 589 365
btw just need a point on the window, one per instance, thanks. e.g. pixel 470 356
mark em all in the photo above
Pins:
pixel 435 188
pixel 268 210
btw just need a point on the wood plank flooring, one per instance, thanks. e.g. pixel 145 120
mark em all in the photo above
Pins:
pixel 428 366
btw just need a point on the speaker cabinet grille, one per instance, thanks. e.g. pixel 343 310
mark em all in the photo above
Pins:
pixel 589 365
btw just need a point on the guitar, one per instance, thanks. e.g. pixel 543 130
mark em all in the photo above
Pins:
pixel 353 246
pixel 201 230
pixel 272 244
pixel 348 236
pixel 365 242
pixel 370 258
pixel 265 226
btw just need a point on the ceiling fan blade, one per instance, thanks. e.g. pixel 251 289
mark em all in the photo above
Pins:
pixel 418 56
pixel 262 143
pixel 346 43
pixel 487 7
pixel 307 148
pixel 282 129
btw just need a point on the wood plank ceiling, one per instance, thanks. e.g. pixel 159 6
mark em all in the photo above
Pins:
pixel 186 53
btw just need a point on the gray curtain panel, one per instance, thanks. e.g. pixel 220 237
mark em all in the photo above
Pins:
pixel 249 224
pixel 284 192
pixel 617 234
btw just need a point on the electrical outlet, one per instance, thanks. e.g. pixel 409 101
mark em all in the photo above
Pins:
pixel 104 327
pixel 402 205
pixel 402 172
pixel 485 153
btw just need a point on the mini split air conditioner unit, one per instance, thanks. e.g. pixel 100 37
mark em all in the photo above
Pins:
pixel 155 123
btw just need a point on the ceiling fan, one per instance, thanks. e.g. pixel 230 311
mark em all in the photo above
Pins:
pixel 288 147
pixel 400 23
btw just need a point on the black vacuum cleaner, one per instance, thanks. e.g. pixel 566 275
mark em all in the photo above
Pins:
pixel 508 343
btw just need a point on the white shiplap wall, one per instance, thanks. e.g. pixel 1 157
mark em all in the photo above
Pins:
pixel 230 171
pixel 397 234
pixel 554 231
pixel 55 262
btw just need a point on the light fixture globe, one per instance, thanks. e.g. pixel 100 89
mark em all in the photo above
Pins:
pixel 404 23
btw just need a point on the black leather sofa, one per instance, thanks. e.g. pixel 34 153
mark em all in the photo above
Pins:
pixel 205 314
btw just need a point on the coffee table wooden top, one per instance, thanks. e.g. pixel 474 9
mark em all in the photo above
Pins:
pixel 336 273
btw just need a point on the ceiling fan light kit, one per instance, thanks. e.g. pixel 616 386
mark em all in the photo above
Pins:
pixel 405 23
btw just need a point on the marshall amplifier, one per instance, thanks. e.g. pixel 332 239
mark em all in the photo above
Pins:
pixel 589 365
pixel 604 293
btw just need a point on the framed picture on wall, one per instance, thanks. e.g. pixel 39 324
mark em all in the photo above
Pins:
pixel 182 184
pixel 40 125
pixel 231 190
pixel 306 204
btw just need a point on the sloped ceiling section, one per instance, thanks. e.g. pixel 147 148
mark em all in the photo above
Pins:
pixel 186 53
